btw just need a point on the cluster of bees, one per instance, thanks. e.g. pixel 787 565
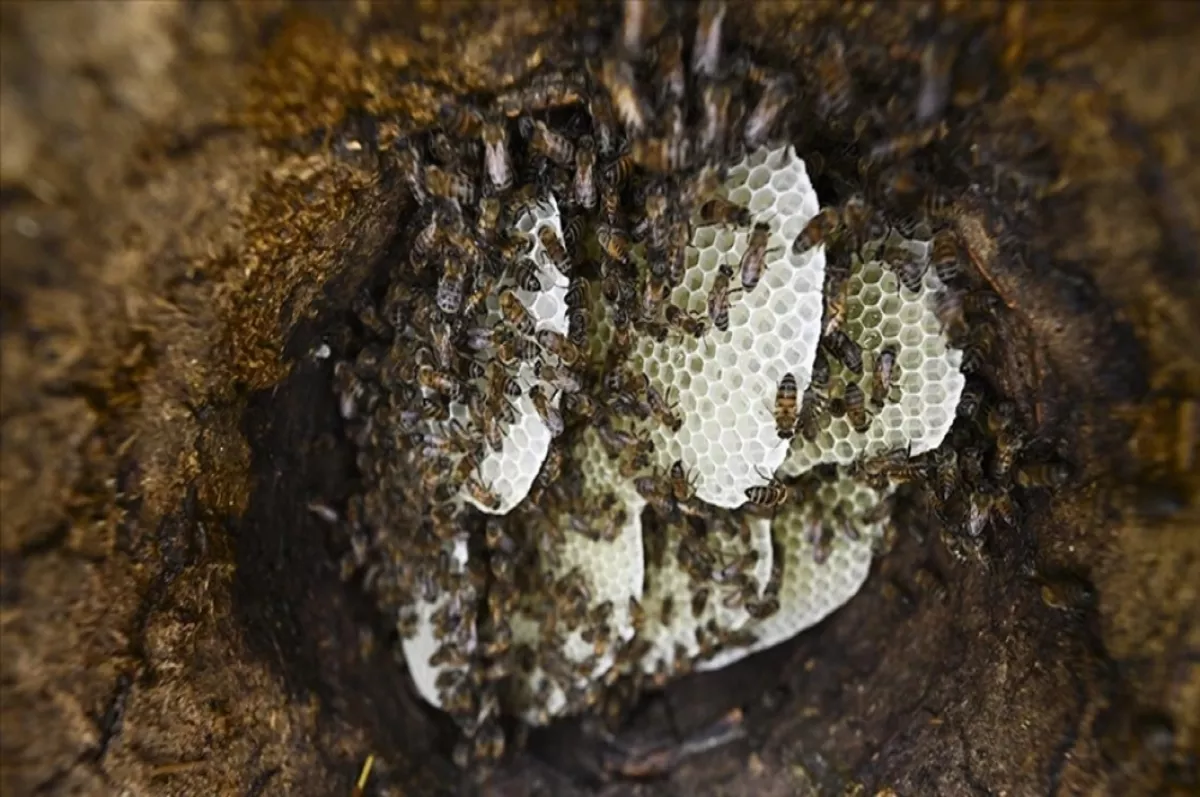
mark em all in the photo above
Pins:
pixel 632 145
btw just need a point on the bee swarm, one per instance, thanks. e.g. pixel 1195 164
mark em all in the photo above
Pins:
pixel 634 404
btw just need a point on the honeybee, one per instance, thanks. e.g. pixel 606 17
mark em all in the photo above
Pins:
pixel 660 154
pixel 559 345
pixel 482 493
pixel 558 378
pixel 786 409
pixel 684 321
pixel 1043 474
pixel 855 408
pixel 475 301
pixel 909 268
pixel 408 163
pixel 883 375
pixel 835 294
pixel 653 297
pixel 716 101
pixel 754 259
pixel 683 488
pixel 762 608
pixel 906 144
pixel 668 65
pixel 847 352
pixel 1009 442
pixel 948 307
pixel 657 222
pixel 585 168
pixel 450 287
pixel 613 242
pixel 497 162
pixel 718 298
pixel 488 223
pixel 656 491
pixel 666 610
pixel 577 327
pixel 700 599
pixel 548 143
pixel 424 242
pixel 834 81
pixel 706 51
pixel 445 184
pixel 944 255
pixel 514 312
pixel 556 252
pixel 770 495
pixel 548 413
pixel 812 412
pixel 526 277
pixel 662 409
pixel 460 121
pixel 616 75
pixel 500 381
pixel 721 211
pixel 763 118
pixel 603 124
pixel 820 229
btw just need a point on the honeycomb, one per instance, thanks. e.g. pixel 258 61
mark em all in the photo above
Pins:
pixel 920 406
pixel 511 470
pixel 724 384
pixel 724 381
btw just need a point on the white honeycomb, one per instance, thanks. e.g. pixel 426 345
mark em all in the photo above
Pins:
pixel 418 648
pixel 612 569
pixel 920 407
pixel 808 591
pixel 510 471
pixel 725 381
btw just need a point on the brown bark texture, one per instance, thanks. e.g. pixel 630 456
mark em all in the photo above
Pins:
pixel 180 217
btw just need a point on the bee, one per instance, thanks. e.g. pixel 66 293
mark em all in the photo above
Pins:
pixel 770 495
pixel 657 222
pixel 847 352
pixel 716 101
pixel 656 491
pixel 666 611
pixel 482 493
pixel 700 599
pixel 718 298
pixel 585 168
pixel 948 307
pixel 662 409
pixel 883 375
pixel 906 144
pixel 653 297
pixel 683 488
pixel 559 345
pixel 937 65
pixel 786 410
pixel 616 75
pixel 548 413
pixel 1043 474
pixel 820 229
pixel 446 184
pixel 706 51
pixel 766 113
pixel 684 321
pixel 483 288
pixel 754 259
pixel 721 211
pixel 909 268
pixel 408 163
pixel 603 124
pixel 555 251
pixel 1009 442
pixel 497 161
pixel 460 121
pixel 762 608
pixel 669 70
pixel 558 378
pixel 577 327
pixel 855 408
pixel 450 287
pixel 971 401
pixel 613 242
pixel 660 154
pixel 944 255
pixel 835 294
pixel 488 223
pixel 548 143
pixel 812 412
pixel 424 242
pixel 514 312
pixel 834 81
pixel 500 381
pixel 526 277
